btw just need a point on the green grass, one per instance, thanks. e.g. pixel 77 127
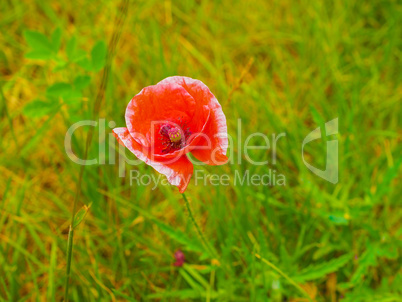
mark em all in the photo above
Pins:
pixel 280 67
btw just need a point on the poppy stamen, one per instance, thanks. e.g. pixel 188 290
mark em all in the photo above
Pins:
pixel 174 135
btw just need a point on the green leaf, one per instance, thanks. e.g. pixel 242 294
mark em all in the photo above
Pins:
pixel 85 63
pixel 63 90
pixel 196 276
pixel 71 47
pixel 79 55
pixel 80 215
pixel 369 258
pixel 81 82
pixel 338 219
pixel 74 54
pixel 56 40
pixel 37 40
pixel 183 294
pixel 38 108
pixel 317 117
pixel 39 55
pixel 324 250
pixel 38 136
pixel 389 251
pixel 386 185
pixel 3 59
pixel 320 270
pixel 179 236
pixel 59 89
pixel 51 291
pixel 98 55
pixel 60 65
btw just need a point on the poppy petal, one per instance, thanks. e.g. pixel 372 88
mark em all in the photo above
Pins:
pixel 193 141
pixel 155 104
pixel 177 171
pixel 212 146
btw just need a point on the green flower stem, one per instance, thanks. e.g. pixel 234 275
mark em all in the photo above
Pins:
pixel 200 234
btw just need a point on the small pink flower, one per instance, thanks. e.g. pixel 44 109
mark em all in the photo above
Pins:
pixel 179 256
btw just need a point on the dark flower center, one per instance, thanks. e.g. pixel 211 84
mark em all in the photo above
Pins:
pixel 174 137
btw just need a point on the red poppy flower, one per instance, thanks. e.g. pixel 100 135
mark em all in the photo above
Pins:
pixel 170 119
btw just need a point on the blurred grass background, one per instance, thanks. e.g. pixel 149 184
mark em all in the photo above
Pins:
pixel 280 67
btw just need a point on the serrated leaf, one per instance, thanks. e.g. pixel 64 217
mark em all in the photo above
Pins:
pixel 38 108
pixel 81 82
pixel 320 270
pixel 56 39
pixel 98 55
pixel 37 41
